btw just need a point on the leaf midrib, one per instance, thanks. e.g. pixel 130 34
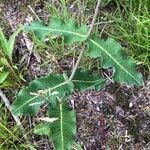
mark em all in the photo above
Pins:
pixel 82 81
pixel 100 81
pixel 61 126
pixel 114 60
pixel 46 91
pixel 82 35
pixel 57 30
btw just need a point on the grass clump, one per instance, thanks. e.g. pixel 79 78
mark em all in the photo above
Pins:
pixel 131 27
pixel 10 135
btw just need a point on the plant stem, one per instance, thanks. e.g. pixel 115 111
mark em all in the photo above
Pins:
pixel 94 18
pixel 77 63
pixel 88 34
pixel 34 13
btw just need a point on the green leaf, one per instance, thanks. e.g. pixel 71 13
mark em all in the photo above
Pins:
pixel 112 55
pixel 84 80
pixel 63 130
pixel 41 90
pixel 8 45
pixel 3 76
pixel 3 43
pixel 11 42
pixel 4 62
pixel 76 146
pixel 42 129
pixel 110 52
pixel 70 31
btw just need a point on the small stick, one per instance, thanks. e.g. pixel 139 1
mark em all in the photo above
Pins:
pixel 7 104
pixel 17 120
pixel 77 63
pixel 94 18
pixel 88 34
pixel 34 13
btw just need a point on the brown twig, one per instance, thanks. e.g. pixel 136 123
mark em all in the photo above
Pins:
pixel 88 34
pixel 77 63
pixel 31 9
pixel 17 120
pixel 94 18
pixel 7 104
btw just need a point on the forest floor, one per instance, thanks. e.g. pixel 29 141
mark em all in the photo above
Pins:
pixel 115 118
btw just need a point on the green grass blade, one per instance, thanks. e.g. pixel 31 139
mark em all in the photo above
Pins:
pixel 11 42
pixel 3 76
pixel 8 45
pixel 4 43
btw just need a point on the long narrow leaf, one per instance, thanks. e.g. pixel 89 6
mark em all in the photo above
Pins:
pixel 7 46
pixel 63 130
pixel 111 54
pixel 11 42
pixel 42 129
pixel 3 76
pixel 3 43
